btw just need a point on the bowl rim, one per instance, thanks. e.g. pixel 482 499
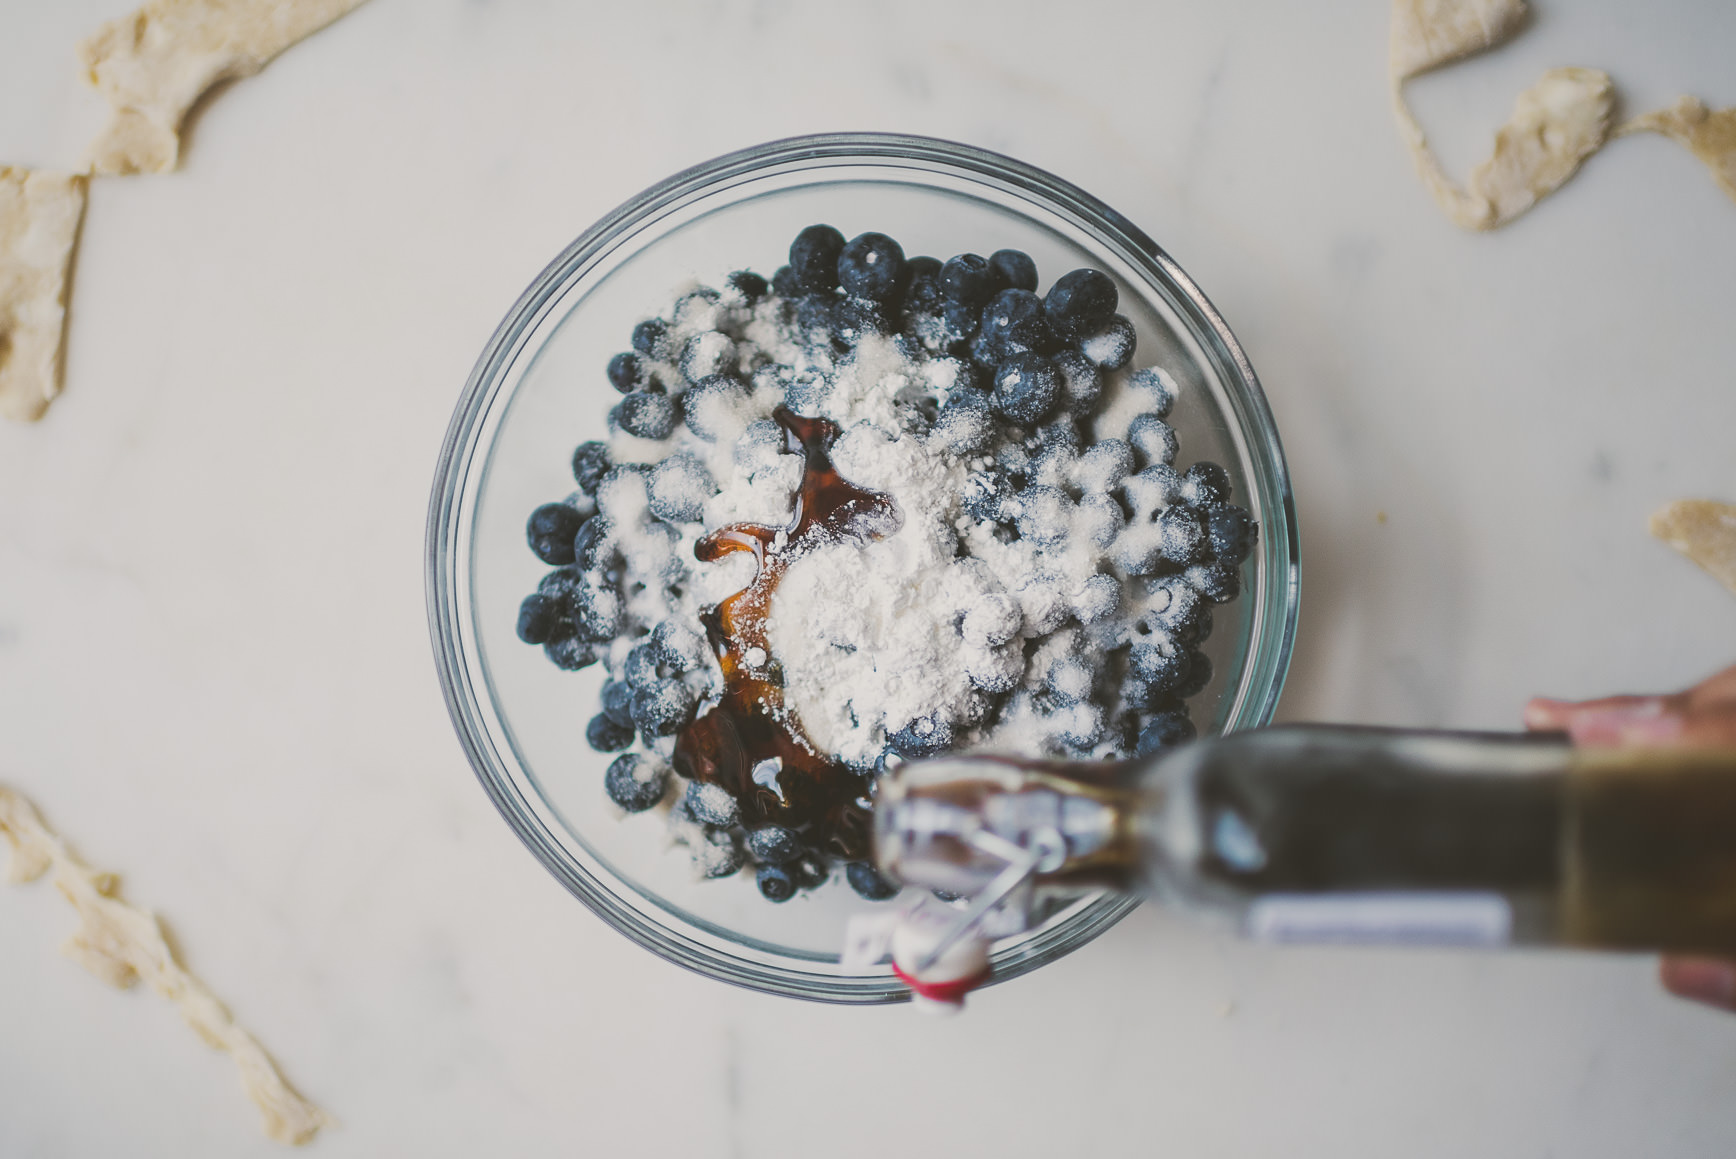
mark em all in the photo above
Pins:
pixel 457 460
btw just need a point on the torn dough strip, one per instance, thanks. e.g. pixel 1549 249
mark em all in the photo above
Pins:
pixel 1556 123
pixel 40 214
pixel 1703 531
pixel 153 65
pixel 121 944
pixel 1710 134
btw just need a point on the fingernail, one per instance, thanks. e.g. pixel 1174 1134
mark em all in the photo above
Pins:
pixel 1707 980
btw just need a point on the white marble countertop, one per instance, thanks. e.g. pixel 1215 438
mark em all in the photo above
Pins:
pixel 214 667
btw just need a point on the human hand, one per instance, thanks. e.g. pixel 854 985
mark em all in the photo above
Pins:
pixel 1704 716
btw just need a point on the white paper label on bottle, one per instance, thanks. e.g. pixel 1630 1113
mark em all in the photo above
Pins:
pixel 1417 919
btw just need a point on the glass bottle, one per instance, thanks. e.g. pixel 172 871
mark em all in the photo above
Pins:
pixel 1342 833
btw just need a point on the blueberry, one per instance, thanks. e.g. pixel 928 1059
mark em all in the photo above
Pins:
pixel 775 883
pixel 1096 599
pixel 617 698
pixel 717 855
pixel 1026 387
pixel 707 353
pixel 1081 302
pixel 868 883
pixel 1153 438
pixel 1161 664
pixel 1151 490
pixel 1181 534
pixel 595 608
pixel 678 648
pixel 1163 730
pixel 966 426
pixel 816 318
pixel 569 653
pixel 590 463
pixel 711 804
pixel 1099 519
pixel 805 394
pixel 711 404
pixel 967 280
pixel 814 257
pixel 784 283
pixel 1218 580
pixel 1082 380
pixel 923 267
pixel 1043 515
pixel 550 532
pixel 1103 466
pixel 537 617
pixel 625 373
pixel 593 546
pixel 871 266
pixel 808 871
pixel 1069 679
pixel 1204 484
pixel 639 670
pixel 955 328
pixel 679 488
pixel 858 316
pixel 922 737
pixel 985 496
pixel 749 285
pixel 1199 674
pixel 774 845
pixel 922 285
pixel 606 736
pixel 651 339
pixel 1012 324
pixel 636 782
pixel 1231 532
pixel 1157 388
pixel 1172 608
pixel 1015 269
pixel 662 709
pixel 1111 347
pixel 645 414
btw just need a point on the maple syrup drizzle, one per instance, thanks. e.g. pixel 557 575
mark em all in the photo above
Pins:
pixel 750 743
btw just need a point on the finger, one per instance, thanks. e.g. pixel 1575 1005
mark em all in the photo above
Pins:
pixel 1719 688
pixel 1612 720
pixel 1708 980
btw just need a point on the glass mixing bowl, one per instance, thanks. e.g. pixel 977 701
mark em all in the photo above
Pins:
pixel 539 389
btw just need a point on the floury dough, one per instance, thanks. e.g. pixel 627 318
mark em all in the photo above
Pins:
pixel 1556 123
pixel 1710 134
pixel 121 944
pixel 155 64
pixel 40 214
pixel 1703 531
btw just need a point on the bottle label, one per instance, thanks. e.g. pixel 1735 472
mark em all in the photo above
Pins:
pixel 1416 919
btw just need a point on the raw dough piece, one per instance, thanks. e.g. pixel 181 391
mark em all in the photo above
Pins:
pixel 156 63
pixel 1703 531
pixel 1711 135
pixel 39 218
pixel 121 944
pixel 1556 123
pixel 1429 33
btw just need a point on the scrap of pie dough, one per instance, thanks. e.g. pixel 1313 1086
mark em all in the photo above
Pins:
pixel 1703 531
pixel 153 65
pixel 1711 134
pixel 1556 123
pixel 121 944
pixel 1429 33
pixel 39 218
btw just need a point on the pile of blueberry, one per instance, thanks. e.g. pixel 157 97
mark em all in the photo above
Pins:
pixel 1028 375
